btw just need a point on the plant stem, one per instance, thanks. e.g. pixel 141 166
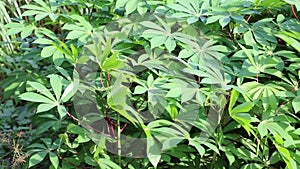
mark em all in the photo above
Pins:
pixel 216 143
pixel 294 13
pixel 119 139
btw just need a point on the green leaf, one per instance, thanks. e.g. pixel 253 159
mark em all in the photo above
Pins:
pixel 153 151
pixel 211 146
pixel 26 32
pixel 233 97
pixel 157 41
pixel 174 92
pixel 75 34
pixel 88 27
pixel 230 157
pixel 56 85
pixel 109 163
pixel 280 18
pixel 54 159
pixel 48 51
pixel 152 25
pixel 291 41
pixel 197 145
pixel 187 94
pixel 37 158
pixel 224 21
pixel 41 89
pixel 38 146
pixel 173 112
pixel 58 58
pixel 150 80
pixel 140 90
pixel 262 129
pixel 47 141
pixel 170 44
pixel 120 3
pixel 171 142
pixel 285 154
pixel 62 111
pixel 33 97
pixel 44 127
pixel 185 53
pixel 74 52
pixel 131 6
pixel 248 38
pixel 117 101
pixel 296 104
pixel 213 19
pixel 243 108
pixel 44 107
pixel 249 55
pixel 252 165
pixel 90 161
pixel 69 92
pixel 43 41
pixel 112 62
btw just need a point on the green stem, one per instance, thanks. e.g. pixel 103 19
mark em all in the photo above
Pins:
pixel 216 142
pixel 213 160
pixel 119 139
pixel 264 148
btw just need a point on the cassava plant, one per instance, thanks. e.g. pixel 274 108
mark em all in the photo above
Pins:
pixel 154 84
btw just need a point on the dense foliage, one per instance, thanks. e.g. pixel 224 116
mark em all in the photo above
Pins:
pixel 149 84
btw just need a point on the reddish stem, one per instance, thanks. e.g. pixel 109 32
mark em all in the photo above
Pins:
pixel 109 122
pixel 69 162
pixel 86 125
pixel 108 79
pixel 124 127
pixel 293 89
pixel 257 77
pixel 294 12
pixel 249 17
pixel 101 81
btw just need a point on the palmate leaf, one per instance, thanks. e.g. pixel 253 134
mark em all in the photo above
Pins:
pixel 189 10
pixel 200 48
pixel 41 10
pixel 46 97
pixel 260 32
pixel 136 5
pixel 25 29
pixel 159 35
pixel 225 11
pixel 80 29
pixel 117 100
pixel 276 127
pixel 266 93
